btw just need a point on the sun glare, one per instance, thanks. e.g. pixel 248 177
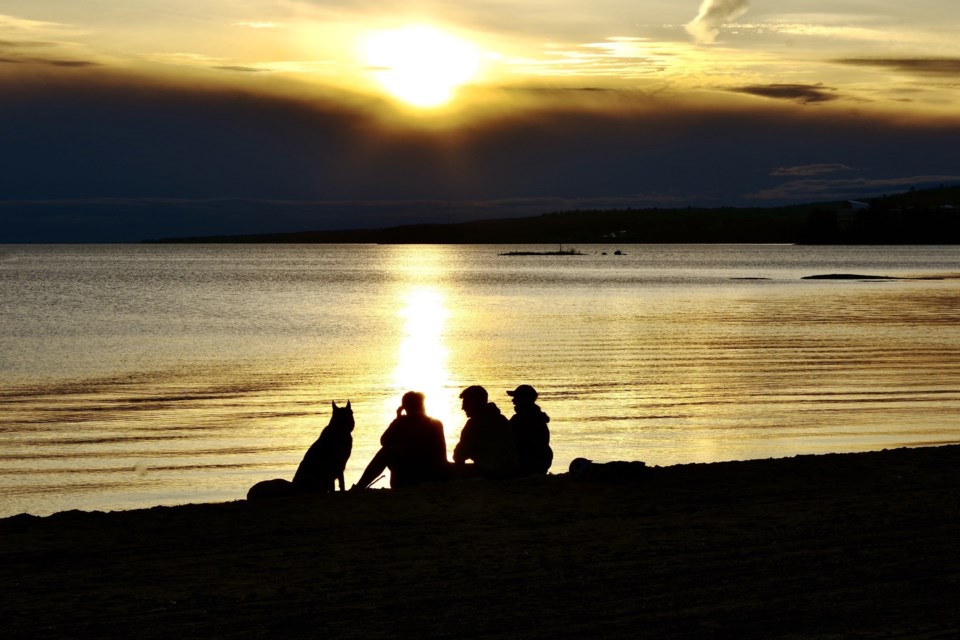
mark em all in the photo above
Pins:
pixel 420 65
pixel 422 358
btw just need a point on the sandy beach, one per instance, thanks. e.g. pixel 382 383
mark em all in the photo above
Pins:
pixel 834 546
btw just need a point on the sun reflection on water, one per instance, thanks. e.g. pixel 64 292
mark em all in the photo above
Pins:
pixel 423 357
pixel 422 353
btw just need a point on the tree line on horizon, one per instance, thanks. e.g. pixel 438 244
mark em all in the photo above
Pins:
pixel 930 216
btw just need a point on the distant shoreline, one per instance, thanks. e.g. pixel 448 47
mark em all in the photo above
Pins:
pixel 917 217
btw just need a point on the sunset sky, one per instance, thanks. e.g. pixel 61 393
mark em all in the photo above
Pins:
pixel 122 120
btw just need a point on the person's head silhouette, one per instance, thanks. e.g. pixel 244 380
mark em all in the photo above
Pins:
pixel 474 398
pixel 413 403
pixel 523 395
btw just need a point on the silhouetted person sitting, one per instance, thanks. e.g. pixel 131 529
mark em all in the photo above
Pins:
pixel 413 447
pixel 530 432
pixel 485 439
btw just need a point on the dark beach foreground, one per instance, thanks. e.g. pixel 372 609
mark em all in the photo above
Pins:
pixel 836 546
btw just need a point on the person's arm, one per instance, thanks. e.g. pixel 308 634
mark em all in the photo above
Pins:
pixel 464 449
pixel 542 433
pixel 390 432
pixel 373 471
pixel 441 441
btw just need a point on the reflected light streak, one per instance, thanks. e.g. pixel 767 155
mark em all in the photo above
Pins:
pixel 422 358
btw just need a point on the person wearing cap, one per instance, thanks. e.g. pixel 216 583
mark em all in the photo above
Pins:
pixel 530 432
pixel 413 447
pixel 486 439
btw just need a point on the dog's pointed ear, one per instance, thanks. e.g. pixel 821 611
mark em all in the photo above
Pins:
pixel 334 403
pixel 348 404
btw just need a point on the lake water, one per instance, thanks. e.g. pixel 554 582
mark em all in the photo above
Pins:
pixel 133 376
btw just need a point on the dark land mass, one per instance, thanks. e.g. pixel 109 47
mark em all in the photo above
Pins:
pixel 930 216
pixel 835 546
pixel 559 252
pixel 846 276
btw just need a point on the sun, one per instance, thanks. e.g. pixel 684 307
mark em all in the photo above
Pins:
pixel 419 65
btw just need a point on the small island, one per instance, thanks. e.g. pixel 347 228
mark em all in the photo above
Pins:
pixel 559 252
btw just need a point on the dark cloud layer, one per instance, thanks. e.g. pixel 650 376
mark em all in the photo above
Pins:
pixel 811 169
pixel 802 93
pixel 822 189
pixel 53 62
pixel 90 156
pixel 24 44
pixel 238 68
pixel 946 67
pixel 13 52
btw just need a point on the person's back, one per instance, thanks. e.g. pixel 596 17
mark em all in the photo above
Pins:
pixel 532 437
pixel 530 432
pixel 413 447
pixel 417 450
pixel 486 439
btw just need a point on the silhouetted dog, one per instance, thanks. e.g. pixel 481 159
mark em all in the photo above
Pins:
pixel 327 457
pixel 322 466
